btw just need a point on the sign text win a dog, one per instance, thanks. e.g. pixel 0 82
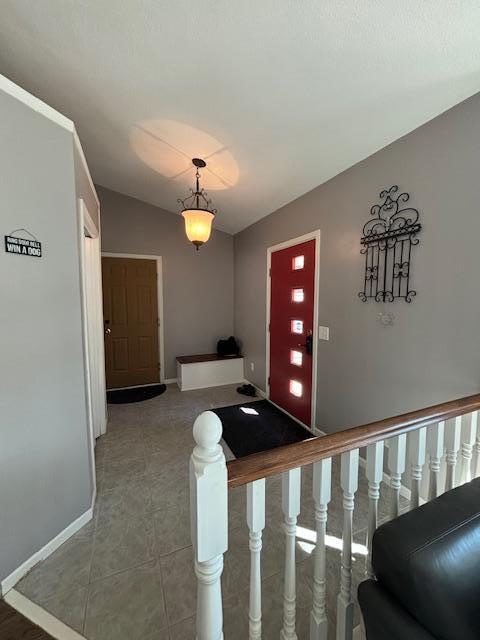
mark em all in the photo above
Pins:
pixel 23 247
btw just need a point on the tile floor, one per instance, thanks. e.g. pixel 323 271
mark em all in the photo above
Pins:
pixel 128 574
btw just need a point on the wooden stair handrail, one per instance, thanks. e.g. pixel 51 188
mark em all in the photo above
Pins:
pixel 269 463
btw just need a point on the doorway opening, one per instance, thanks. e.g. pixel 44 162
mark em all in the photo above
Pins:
pixel 133 320
pixel 292 326
pixel 92 330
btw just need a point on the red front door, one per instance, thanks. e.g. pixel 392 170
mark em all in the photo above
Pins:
pixel 292 287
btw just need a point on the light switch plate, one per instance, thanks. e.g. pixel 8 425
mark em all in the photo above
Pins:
pixel 324 333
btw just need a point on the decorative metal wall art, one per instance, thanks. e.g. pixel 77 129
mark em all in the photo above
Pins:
pixel 387 241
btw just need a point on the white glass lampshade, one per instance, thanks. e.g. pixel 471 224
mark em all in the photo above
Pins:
pixel 198 225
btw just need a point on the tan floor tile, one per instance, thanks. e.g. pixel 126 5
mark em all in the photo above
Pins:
pixel 124 502
pixel 172 529
pixel 124 545
pixel 179 583
pixel 69 607
pixel 64 570
pixel 127 606
pixel 170 487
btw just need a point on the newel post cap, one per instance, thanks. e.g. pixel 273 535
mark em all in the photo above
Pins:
pixel 207 430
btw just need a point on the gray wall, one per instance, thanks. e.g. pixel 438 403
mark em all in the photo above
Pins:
pixel 432 352
pixel 197 285
pixel 45 480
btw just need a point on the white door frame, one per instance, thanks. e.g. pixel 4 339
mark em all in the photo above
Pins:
pixel 88 229
pixel 158 260
pixel 93 327
pixel 313 235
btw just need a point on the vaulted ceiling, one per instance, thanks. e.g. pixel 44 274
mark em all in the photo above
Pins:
pixel 278 96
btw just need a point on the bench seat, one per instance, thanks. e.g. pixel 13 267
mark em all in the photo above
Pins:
pixel 208 370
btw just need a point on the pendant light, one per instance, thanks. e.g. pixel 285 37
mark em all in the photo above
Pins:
pixel 197 210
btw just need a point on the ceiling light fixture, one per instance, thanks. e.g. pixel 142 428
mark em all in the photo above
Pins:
pixel 197 210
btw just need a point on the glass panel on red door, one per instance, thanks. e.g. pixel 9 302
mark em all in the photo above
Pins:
pixel 291 323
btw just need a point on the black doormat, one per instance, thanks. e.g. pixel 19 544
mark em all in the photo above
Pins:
pixel 138 394
pixel 258 426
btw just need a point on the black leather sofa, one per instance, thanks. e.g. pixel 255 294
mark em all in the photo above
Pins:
pixel 427 569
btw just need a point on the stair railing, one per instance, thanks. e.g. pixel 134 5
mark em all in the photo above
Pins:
pixel 434 435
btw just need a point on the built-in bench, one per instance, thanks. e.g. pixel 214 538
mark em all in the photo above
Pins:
pixel 208 370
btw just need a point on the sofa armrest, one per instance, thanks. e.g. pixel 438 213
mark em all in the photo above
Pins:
pixel 384 618
pixel 429 558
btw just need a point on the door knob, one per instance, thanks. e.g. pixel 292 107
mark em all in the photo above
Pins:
pixel 108 330
pixel 308 344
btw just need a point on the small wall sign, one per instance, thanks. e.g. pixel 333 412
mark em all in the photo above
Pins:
pixel 23 246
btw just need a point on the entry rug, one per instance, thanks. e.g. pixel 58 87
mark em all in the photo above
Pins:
pixel 138 394
pixel 258 426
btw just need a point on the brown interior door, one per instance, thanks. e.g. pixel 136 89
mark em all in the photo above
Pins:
pixel 130 312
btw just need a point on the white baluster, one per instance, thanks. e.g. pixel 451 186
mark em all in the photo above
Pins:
pixel 209 522
pixel 345 604
pixel 291 484
pixel 469 431
pixel 322 480
pixel 256 524
pixel 453 428
pixel 435 443
pixel 397 448
pixel 374 474
pixel 477 451
pixel 416 453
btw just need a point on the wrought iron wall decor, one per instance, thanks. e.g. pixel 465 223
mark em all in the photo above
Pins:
pixel 387 241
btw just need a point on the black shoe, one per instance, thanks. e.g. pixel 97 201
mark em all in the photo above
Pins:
pixel 247 390
pixel 242 389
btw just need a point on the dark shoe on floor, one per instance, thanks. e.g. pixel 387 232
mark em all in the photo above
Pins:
pixel 247 390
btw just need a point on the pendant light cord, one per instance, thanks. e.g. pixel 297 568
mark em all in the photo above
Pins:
pixel 197 193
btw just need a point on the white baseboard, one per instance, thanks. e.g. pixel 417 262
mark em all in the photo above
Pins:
pixel 170 381
pixel 94 499
pixel 16 575
pixel 40 617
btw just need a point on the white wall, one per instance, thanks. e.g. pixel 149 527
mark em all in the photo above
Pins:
pixel 45 478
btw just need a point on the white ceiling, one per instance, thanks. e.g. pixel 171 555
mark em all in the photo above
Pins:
pixel 280 94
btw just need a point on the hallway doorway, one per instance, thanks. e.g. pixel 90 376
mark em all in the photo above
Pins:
pixel 91 288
